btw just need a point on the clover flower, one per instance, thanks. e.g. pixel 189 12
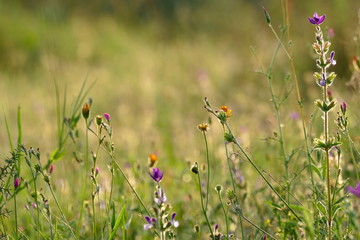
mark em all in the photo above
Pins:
pixel 316 19
pixel 355 191
pixel 156 175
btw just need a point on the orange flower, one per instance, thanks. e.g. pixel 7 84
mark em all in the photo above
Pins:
pixel 227 111
pixel 152 159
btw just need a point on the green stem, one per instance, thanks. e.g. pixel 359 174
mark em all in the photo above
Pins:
pixel 225 215
pixel 233 184
pixel 203 208
pixel 208 168
pixel 261 174
pixel 16 221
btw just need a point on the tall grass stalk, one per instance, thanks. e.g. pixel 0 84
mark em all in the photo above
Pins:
pixel 289 54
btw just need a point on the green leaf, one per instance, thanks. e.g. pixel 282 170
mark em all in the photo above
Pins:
pixel 117 223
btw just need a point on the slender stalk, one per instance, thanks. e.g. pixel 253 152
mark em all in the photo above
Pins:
pixel 208 168
pixel 225 215
pixel 203 208
pixel 61 211
pixel 261 174
pixel 233 184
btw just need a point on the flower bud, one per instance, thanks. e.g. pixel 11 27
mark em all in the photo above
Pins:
pixel 267 16
pixel 218 188
pixel 86 110
pixel 98 120
pixel 16 183
pixel 195 168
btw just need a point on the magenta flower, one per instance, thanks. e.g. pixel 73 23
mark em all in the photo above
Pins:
pixel 355 191
pixel 107 116
pixel 16 183
pixel 316 19
pixel 156 174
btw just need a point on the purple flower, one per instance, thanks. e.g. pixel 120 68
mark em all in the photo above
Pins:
pixel 150 222
pixel 323 81
pixel 172 221
pixel 156 174
pixel 316 19
pixel 16 183
pixel 332 60
pixel 355 191
pixel 160 196
pixel 107 116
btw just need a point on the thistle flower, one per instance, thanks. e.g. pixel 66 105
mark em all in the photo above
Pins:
pixel 156 175
pixel 355 191
pixel 316 19
pixel 204 127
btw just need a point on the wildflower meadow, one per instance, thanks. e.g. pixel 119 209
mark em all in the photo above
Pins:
pixel 233 120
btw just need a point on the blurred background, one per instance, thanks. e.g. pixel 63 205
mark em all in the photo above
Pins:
pixel 153 61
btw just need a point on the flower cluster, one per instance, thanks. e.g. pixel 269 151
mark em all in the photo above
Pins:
pixel 324 79
pixel 162 221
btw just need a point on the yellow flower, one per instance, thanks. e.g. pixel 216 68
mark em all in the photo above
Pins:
pixel 204 127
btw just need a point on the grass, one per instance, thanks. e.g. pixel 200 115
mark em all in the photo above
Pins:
pixel 151 77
